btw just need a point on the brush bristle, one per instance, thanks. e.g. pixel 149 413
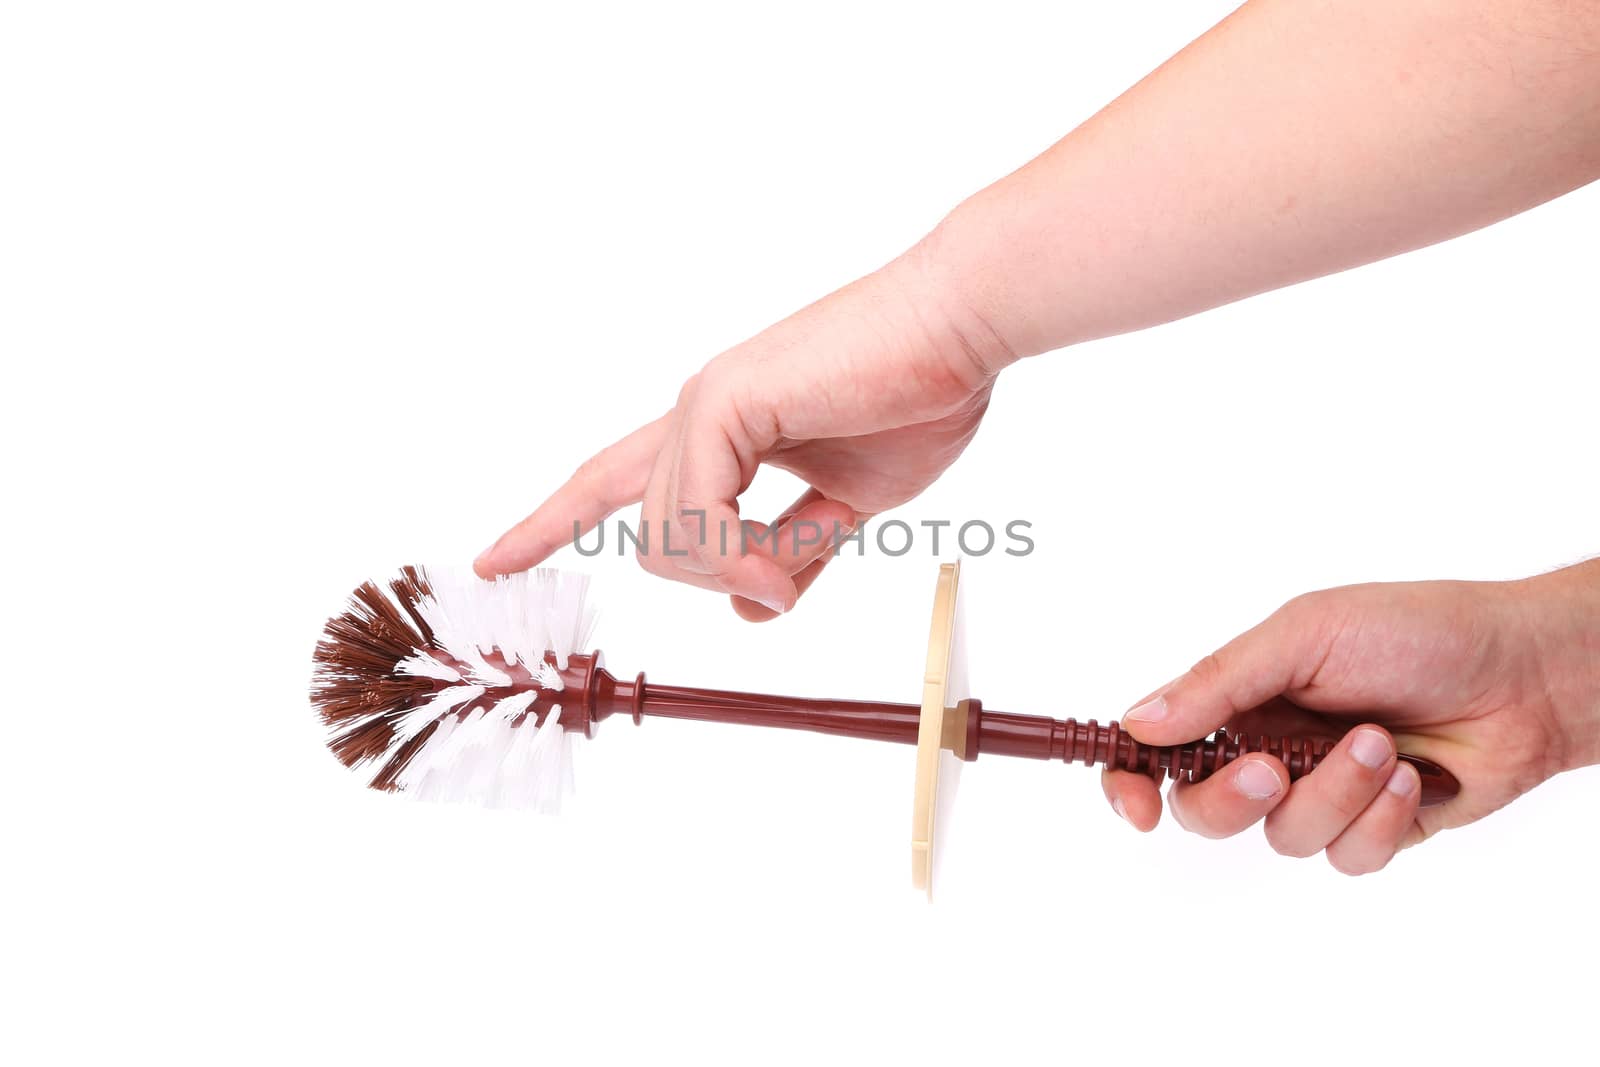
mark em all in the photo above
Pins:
pixel 434 679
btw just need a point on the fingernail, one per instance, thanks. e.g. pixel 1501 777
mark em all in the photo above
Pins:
pixel 775 606
pixel 1370 748
pixel 1116 806
pixel 1402 781
pixel 1153 710
pixel 1256 781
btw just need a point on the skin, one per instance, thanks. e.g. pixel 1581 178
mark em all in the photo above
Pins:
pixel 1498 681
pixel 1295 139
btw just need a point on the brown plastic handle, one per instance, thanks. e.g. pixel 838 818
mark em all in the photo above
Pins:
pixel 591 694
pixel 1111 746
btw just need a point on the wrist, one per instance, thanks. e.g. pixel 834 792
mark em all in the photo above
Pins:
pixel 934 272
pixel 1565 618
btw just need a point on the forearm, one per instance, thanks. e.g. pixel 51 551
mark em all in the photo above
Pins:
pixel 1293 140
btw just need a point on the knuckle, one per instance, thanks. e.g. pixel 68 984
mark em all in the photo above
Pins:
pixel 1418 832
pixel 691 388
pixel 1286 843
pixel 1316 604
pixel 1303 605
pixel 1307 612
pixel 714 378
pixel 1197 822
pixel 591 472
pixel 1311 622
pixel 1180 811
pixel 595 479
pixel 651 562
pixel 1343 786
pixel 1216 833
pixel 1326 609
pixel 1352 866
pixel 1346 803
pixel 1208 670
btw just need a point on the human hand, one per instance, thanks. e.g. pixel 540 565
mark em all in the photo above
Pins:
pixel 868 395
pixel 1150 211
pixel 1497 681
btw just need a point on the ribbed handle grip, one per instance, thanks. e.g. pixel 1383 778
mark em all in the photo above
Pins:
pixel 1091 744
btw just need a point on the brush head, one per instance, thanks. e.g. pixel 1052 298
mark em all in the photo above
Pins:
pixel 450 686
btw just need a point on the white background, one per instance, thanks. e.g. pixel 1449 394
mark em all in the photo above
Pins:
pixel 294 293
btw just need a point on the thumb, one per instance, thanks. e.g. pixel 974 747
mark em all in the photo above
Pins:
pixel 1280 655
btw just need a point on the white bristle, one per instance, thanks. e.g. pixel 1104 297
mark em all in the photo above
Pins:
pixel 520 782
pixel 521 616
pixel 480 628
pixel 512 783
pixel 509 709
pixel 422 715
pixel 438 758
pixel 413 778
pixel 546 676
pixel 551 775
pixel 479 670
pixel 423 665
pixel 476 772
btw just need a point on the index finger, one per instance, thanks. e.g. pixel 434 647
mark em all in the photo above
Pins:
pixel 613 478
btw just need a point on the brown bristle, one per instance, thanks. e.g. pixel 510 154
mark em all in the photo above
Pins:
pixel 341 652
pixel 368 741
pixel 355 682
pixel 384 681
pixel 385 778
pixel 409 588
pixel 384 622
pixel 340 699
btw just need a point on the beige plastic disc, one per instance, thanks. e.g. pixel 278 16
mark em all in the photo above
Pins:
pixel 942 729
